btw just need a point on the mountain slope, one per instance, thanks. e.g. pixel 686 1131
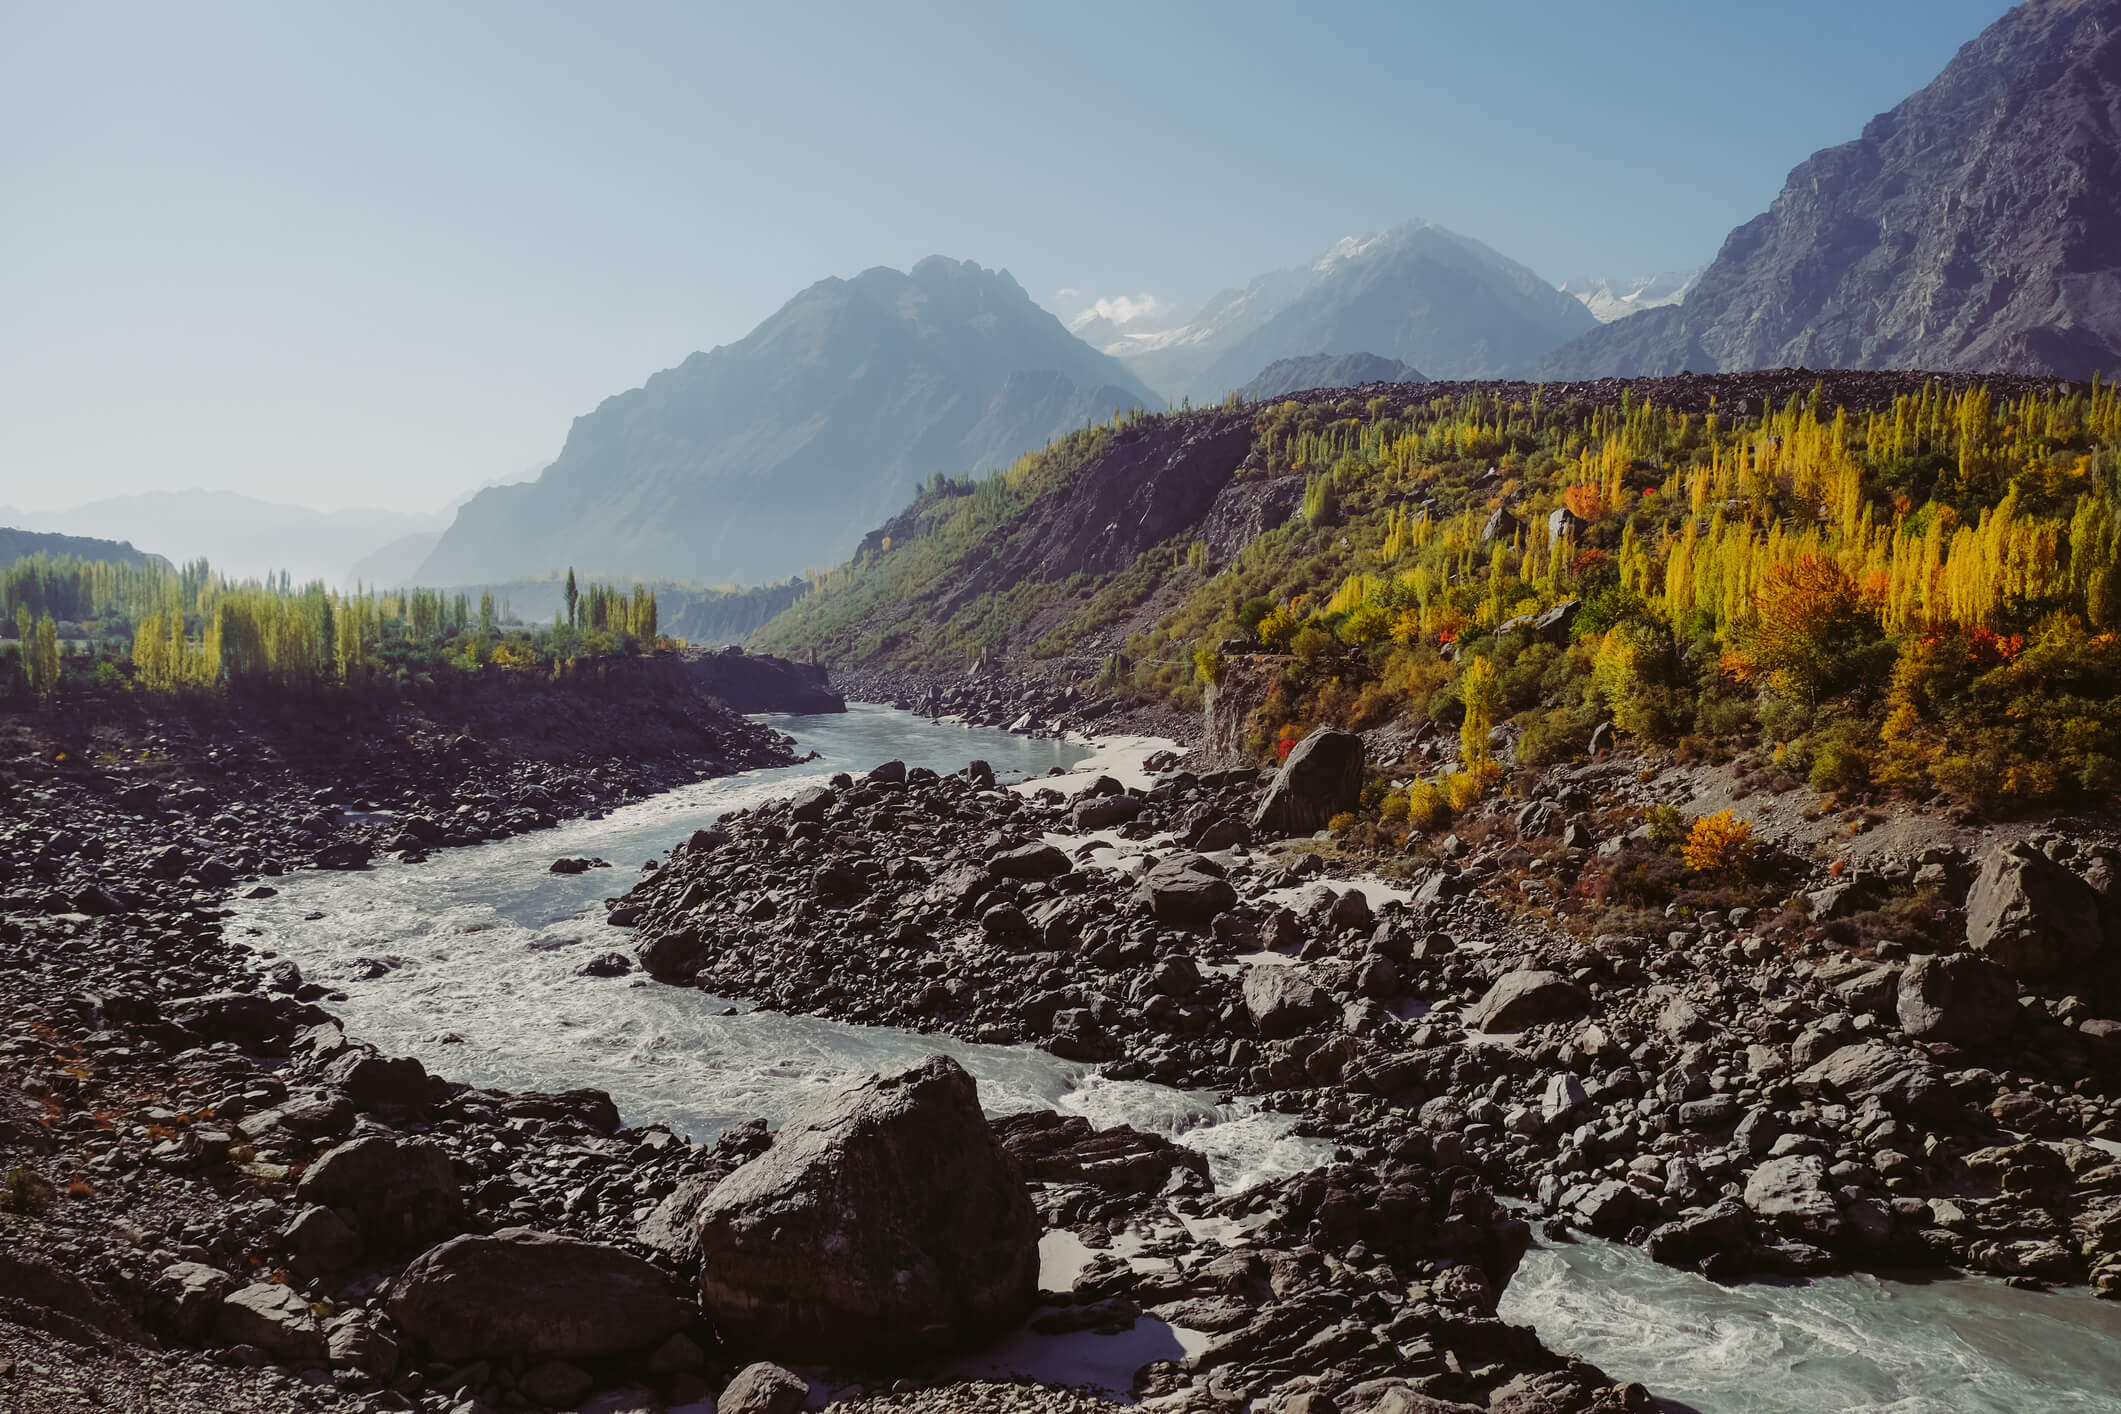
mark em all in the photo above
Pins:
pixel 1418 293
pixel 1296 375
pixel 761 458
pixel 1977 226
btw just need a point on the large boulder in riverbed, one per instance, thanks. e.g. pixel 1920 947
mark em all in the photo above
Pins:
pixel 522 1294
pixel 1187 891
pixel 1964 999
pixel 1792 1196
pixel 2030 915
pixel 1322 778
pixel 885 1223
pixel 1283 1002
pixel 1526 998
pixel 399 1192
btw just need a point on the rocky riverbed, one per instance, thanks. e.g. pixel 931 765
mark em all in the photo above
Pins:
pixel 217 1199
pixel 1905 1062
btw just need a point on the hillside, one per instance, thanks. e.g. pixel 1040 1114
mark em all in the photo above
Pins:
pixel 1298 375
pixel 759 459
pixel 1849 565
pixel 1975 226
pixel 20 544
pixel 1418 293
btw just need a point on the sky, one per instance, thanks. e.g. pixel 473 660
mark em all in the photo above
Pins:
pixel 380 254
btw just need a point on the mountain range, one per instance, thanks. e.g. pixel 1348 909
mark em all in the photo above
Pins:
pixel 761 458
pixel 1975 227
pixel 1418 293
pixel 1610 299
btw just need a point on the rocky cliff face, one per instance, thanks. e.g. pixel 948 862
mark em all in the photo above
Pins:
pixel 1977 226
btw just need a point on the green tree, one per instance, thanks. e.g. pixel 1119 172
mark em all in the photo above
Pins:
pixel 574 597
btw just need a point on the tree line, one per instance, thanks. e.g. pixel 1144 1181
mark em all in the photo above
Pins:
pixel 190 629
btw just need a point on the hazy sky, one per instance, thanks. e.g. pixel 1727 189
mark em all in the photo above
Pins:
pixel 379 253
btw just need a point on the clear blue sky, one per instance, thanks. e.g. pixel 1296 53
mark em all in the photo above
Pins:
pixel 378 253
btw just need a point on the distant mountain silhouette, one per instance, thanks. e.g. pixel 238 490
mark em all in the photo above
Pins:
pixel 1295 375
pixel 19 544
pixel 241 536
pixel 773 454
pixel 1976 227
pixel 1418 293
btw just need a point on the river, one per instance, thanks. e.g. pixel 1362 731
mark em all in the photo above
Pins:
pixel 469 961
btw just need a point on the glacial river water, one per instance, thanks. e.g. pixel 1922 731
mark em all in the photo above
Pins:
pixel 469 962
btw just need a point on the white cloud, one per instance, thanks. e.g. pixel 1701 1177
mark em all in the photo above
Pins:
pixel 1137 314
pixel 1125 309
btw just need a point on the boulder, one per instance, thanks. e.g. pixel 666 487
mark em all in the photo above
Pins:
pixel 1322 778
pixel 1283 1002
pixel 399 1192
pixel 1875 1069
pixel 1726 1228
pixel 344 854
pixel 669 957
pixel 274 1318
pixel 2030 915
pixel 1791 1195
pixel 764 1388
pixel 884 1223
pixel 520 1294
pixel 1180 892
pixel 1526 998
pixel 374 1081
pixel 184 1299
pixel 1106 812
pixel 1963 998
pixel 1031 861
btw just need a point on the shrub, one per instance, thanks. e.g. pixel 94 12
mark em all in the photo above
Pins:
pixel 1342 823
pixel 1718 842
pixel 24 1191
pixel 1668 827
pixel 1462 788
pixel 1426 806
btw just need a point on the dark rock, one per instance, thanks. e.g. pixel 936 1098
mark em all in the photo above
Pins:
pixel 401 1192
pixel 2031 916
pixel 884 1223
pixel 1963 998
pixel 1180 891
pixel 1526 998
pixel 1321 779
pixel 520 1294
pixel 1283 1002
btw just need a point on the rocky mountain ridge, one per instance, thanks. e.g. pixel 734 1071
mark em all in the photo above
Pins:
pixel 1420 293
pixel 1975 227
pixel 762 458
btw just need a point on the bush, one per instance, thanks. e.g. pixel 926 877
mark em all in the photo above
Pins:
pixel 1718 842
pixel 25 1192
pixel 1668 827
pixel 1426 806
